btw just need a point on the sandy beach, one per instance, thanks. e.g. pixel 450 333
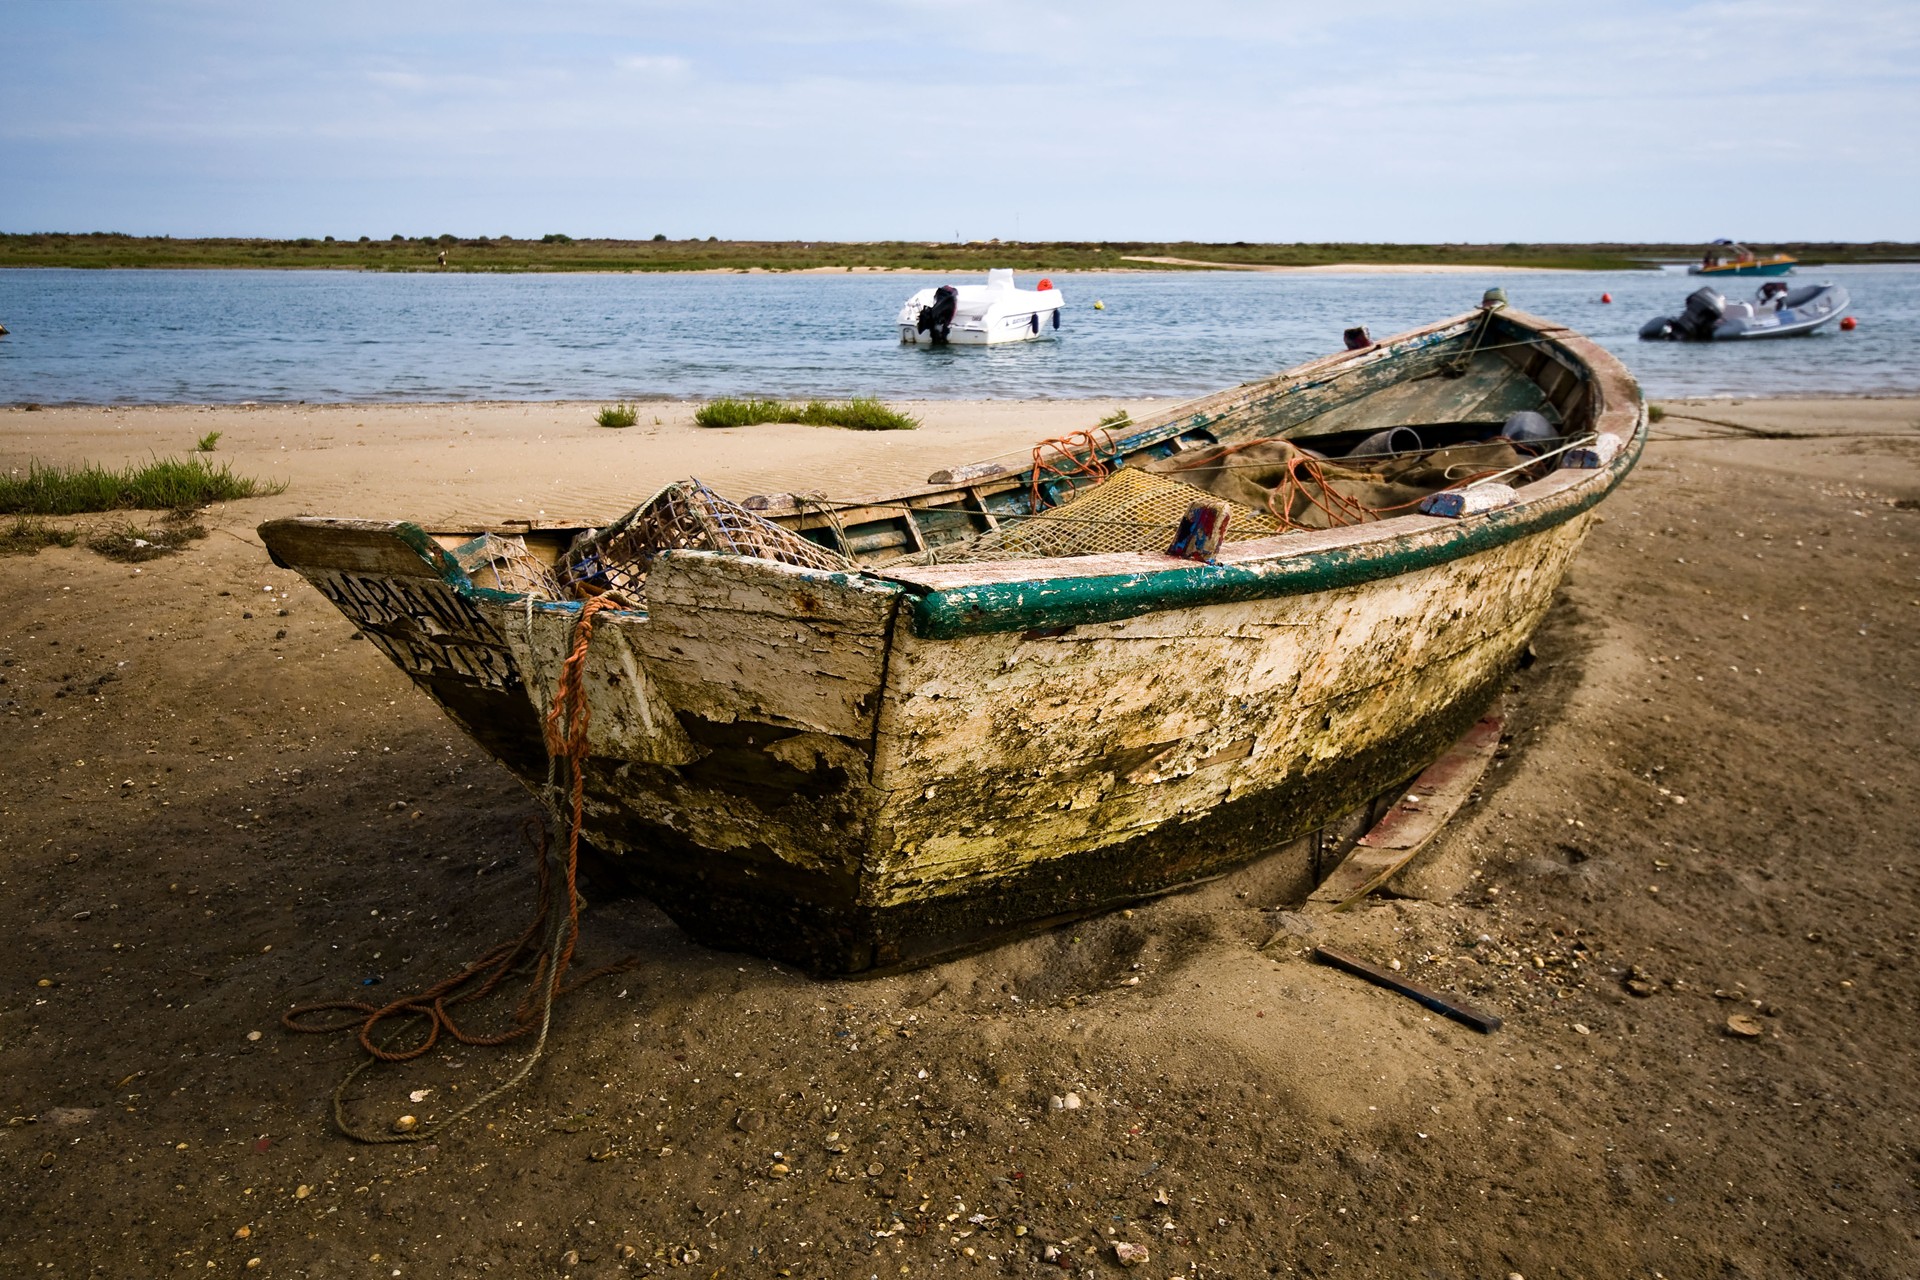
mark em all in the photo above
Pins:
pixel 217 805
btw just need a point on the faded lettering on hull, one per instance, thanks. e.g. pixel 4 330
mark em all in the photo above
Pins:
pixel 429 631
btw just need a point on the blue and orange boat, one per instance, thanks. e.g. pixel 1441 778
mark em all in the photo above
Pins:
pixel 1726 258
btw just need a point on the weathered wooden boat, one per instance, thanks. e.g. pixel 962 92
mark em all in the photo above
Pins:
pixel 895 729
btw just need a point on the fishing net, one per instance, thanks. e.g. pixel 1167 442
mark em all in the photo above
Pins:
pixel 684 516
pixel 1298 489
pixel 1131 510
pixel 1266 487
pixel 505 564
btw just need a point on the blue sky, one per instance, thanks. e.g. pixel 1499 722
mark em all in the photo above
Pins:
pixel 1480 120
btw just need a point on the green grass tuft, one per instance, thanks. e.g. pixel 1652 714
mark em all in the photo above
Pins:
pixel 863 413
pixel 207 442
pixel 165 484
pixel 728 412
pixel 1655 413
pixel 28 534
pixel 618 415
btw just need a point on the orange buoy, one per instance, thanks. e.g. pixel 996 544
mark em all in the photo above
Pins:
pixel 1848 322
pixel 1606 297
pixel 1044 285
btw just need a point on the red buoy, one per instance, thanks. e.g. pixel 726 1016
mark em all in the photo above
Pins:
pixel 1606 297
pixel 1848 322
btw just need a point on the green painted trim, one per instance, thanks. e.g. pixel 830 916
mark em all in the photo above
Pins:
pixel 422 543
pixel 1059 602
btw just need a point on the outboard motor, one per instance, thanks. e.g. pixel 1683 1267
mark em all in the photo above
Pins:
pixel 1705 308
pixel 936 320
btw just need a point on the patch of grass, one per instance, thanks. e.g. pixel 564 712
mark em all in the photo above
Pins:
pixel 618 415
pixel 1655 413
pixel 728 412
pixel 207 442
pixel 165 484
pixel 133 544
pixel 862 413
pixel 27 534
pixel 1116 420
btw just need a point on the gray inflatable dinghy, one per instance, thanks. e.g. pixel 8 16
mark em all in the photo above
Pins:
pixel 1776 312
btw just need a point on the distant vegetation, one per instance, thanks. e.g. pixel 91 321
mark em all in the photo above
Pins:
pixel 618 415
pixel 165 484
pixel 557 251
pixel 856 414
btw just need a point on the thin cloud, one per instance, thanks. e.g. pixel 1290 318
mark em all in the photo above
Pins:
pixel 658 66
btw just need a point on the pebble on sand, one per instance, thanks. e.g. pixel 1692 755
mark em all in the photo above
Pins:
pixel 1129 1255
pixel 1747 1028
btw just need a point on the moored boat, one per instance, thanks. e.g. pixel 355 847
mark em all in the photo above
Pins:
pixel 1775 312
pixel 860 734
pixel 978 315
pixel 1727 258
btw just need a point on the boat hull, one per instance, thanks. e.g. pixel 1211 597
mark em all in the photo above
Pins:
pixel 1020 326
pixel 857 771
pixel 1744 269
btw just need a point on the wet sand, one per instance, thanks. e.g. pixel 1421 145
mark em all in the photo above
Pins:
pixel 216 804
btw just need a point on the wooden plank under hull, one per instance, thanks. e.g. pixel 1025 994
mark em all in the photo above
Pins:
pixel 1413 821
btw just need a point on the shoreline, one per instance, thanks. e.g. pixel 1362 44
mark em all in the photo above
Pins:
pixel 1155 266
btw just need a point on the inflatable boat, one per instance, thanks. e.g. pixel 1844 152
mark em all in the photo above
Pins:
pixel 976 315
pixel 1775 312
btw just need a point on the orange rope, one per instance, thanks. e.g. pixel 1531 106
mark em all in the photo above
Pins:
pixel 1069 457
pixel 565 731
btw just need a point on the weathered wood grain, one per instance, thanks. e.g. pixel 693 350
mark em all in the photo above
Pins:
pixel 733 638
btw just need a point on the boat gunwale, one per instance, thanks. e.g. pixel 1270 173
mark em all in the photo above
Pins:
pixel 1089 589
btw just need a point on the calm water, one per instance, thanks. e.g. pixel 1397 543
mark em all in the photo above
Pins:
pixel 146 337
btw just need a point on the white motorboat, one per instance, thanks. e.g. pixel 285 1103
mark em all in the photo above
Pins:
pixel 978 315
